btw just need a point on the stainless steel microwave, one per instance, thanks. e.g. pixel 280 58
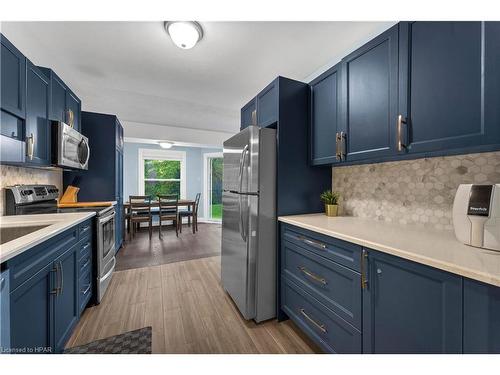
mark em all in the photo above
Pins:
pixel 70 149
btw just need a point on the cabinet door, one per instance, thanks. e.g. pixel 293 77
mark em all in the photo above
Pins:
pixel 13 78
pixel 325 124
pixel 410 308
pixel 57 98
pixel 369 97
pixel 4 309
pixel 481 318
pixel 37 116
pixel 442 83
pixel 267 105
pixel 31 311
pixel 74 104
pixel 249 114
pixel 66 302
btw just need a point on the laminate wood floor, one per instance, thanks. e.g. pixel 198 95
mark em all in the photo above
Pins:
pixel 188 310
pixel 140 251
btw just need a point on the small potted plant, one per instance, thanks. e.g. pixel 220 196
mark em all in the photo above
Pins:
pixel 330 199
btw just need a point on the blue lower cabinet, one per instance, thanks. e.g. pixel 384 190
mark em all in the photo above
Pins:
pixel 323 326
pixel 334 285
pixel 45 297
pixel 66 310
pixel 481 318
pixel 410 308
pixel 31 313
pixel 4 311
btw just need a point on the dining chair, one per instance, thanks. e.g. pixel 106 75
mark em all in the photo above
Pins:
pixel 168 209
pixel 193 213
pixel 140 212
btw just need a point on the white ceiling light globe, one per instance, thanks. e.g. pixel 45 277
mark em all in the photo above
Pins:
pixel 166 144
pixel 184 34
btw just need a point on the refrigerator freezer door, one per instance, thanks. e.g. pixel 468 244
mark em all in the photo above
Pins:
pixel 241 159
pixel 239 250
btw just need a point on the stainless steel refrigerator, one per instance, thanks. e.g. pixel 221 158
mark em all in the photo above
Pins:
pixel 249 222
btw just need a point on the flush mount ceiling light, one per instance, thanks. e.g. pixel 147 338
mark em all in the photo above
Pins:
pixel 184 34
pixel 166 144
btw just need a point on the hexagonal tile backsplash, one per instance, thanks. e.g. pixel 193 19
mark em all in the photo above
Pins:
pixel 412 191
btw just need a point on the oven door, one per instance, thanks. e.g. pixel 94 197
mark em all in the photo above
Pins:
pixel 73 148
pixel 106 240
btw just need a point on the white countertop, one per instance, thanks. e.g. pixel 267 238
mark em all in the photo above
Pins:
pixel 57 223
pixel 439 249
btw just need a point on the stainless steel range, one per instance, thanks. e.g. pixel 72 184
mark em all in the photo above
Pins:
pixel 41 199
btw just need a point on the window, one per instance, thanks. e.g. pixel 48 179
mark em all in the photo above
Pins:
pixel 162 172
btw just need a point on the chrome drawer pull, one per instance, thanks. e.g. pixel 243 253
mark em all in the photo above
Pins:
pixel 86 264
pixel 319 279
pixel 321 327
pixel 86 290
pixel 312 243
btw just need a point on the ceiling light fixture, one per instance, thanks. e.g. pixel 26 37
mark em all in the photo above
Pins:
pixel 184 34
pixel 166 144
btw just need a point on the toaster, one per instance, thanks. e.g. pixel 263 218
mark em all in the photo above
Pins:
pixel 476 215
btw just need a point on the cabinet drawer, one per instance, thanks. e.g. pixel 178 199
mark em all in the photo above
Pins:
pixel 84 290
pixel 85 228
pixel 342 252
pixel 336 286
pixel 85 247
pixel 27 264
pixel 326 328
pixel 85 263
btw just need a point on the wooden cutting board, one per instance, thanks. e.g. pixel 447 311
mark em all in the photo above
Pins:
pixel 84 204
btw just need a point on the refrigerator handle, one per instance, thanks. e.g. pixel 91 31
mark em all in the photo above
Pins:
pixel 242 164
pixel 242 227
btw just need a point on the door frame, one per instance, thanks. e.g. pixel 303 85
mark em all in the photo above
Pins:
pixel 205 195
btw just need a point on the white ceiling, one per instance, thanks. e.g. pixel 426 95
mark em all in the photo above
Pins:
pixel 132 69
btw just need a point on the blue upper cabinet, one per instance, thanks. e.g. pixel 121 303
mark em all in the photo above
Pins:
pixel 369 98
pixel 326 131
pixel 410 308
pixel 249 114
pixel 262 110
pixel 37 117
pixel 13 79
pixel 445 71
pixel 481 318
pixel 62 100
pixel 267 104
pixel 74 104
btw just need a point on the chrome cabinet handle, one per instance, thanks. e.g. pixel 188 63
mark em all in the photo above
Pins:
pixel 86 290
pixel 337 146
pixel 313 276
pixel 342 145
pixel 364 279
pixel 62 278
pixel 56 289
pixel 85 264
pixel 254 117
pixel 400 144
pixel 31 146
pixel 319 326
pixel 317 244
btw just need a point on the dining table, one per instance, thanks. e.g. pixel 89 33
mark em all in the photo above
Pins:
pixel 189 203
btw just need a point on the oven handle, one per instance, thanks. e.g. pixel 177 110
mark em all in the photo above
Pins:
pixel 107 218
pixel 110 271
